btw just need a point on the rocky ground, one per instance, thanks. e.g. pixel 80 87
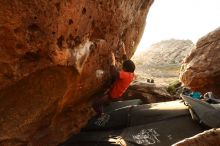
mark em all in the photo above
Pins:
pixel 148 92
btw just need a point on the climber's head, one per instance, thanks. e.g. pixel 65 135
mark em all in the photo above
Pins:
pixel 128 66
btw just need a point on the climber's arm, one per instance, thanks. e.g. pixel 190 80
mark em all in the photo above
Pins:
pixel 124 57
pixel 113 70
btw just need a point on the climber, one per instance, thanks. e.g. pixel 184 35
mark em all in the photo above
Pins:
pixel 121 81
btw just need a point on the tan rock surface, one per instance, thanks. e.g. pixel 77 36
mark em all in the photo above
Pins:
pixel 148 92
pixel 207 138
pixel 53 56
pixel 201 69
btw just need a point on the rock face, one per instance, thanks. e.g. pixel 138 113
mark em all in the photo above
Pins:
pixel 207 138
pixel 147 92
pixel 201 69
pixel 166 52
pixel 162 60
pixel 53 56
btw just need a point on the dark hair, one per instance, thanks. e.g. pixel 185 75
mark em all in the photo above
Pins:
pixel 128 66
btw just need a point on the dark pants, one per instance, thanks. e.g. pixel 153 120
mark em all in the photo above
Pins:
pixel 100 102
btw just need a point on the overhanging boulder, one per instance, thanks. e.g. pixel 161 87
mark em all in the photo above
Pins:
pixel 53 56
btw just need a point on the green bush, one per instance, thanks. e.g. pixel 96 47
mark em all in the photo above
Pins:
pixel 172 88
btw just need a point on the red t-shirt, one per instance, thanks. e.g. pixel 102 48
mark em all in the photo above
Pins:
pixel 119 87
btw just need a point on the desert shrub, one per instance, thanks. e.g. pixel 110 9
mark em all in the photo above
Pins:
pixel 173 87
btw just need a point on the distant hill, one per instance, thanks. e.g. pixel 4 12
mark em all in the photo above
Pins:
pixel 163 59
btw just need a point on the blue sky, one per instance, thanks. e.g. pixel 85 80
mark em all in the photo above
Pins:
pixel 180 19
